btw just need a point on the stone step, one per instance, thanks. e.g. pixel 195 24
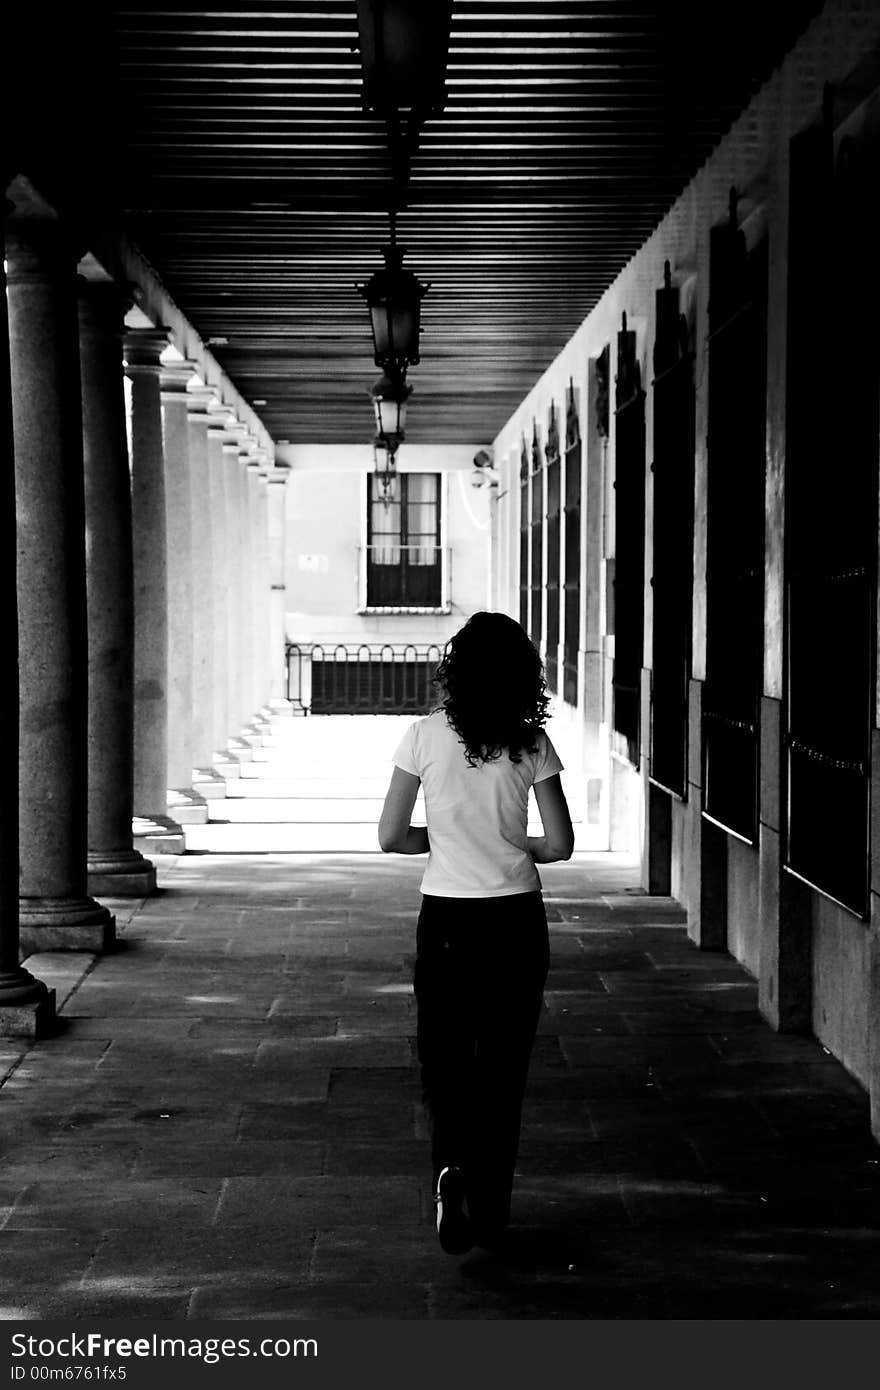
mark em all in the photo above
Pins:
pixel 276 810
pixel 271 787
pixel 291 837
pixel 286 838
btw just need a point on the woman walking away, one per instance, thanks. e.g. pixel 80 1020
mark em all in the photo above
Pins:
pixel 482 950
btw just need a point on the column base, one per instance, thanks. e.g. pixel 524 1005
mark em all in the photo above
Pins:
pixel 209 784
pixel 239 748
pixel 157 835
pixel 32 1019
pixel 189 807
pixel 123 873
pixel 65 924
pixel 227 764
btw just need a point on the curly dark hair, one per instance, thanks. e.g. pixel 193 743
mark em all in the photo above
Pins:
pixel 494 690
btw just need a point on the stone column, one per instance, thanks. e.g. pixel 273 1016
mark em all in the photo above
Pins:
pixel 206 780
pixel 184 803
pixel 261 617
pixel 250 643
pixel 233 471
pixel 56 911
pixel 276 479
pixel 152 822
pixel 27 1007
pixel 255 647
pixel 115 868
pixel 219 416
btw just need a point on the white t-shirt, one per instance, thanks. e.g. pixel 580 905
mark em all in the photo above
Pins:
pixel 476 816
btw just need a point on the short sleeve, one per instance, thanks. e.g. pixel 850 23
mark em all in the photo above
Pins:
pixel 547 760
pixel 404 755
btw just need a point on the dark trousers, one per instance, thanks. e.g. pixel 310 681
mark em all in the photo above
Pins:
pixel 480 969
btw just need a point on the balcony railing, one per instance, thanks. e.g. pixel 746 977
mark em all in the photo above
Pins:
pixel 410 577
pixel 362 679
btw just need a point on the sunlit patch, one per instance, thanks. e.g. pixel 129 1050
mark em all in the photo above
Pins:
pixel 130 1285
pixel 17 1314
pixel 213 998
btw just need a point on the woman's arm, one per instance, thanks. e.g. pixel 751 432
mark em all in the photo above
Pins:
pixel 557 842
pixel 396 835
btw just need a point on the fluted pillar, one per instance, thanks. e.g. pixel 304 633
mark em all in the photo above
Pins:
pixel 184 803
pixel 115 867
pixel 201 545
pixel 27 1007
pixel 276 481
pixel 56 911
pixel 142 365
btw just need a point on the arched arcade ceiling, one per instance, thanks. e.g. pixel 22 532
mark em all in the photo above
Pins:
pixel 257 185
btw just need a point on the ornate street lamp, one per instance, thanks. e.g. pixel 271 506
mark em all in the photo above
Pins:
pixel 394 297
pixel 389 396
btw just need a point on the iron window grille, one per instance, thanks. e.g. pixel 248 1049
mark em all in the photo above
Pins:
pixel 554 500
pixel 833 404
pixel 673 536
pixel 572 523
pixel 629 543
pixel 404 555
pixel 735 528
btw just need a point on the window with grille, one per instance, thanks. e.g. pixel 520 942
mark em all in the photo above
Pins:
pixel 831 511
pixel 536 532
pixel 404 557
pixel 629 542
pixel 735 528
pixel 524 519
pixel 554 500
pixel 572 522
pixel 673 539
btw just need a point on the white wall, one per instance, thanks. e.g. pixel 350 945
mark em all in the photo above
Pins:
pixel 326 530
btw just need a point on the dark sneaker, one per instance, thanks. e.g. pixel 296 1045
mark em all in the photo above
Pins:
pixel 453 1227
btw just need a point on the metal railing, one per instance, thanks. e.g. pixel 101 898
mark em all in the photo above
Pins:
pixel 403 576
pixel 361 679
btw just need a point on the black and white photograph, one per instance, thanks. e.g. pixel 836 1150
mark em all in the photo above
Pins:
pixel 439 581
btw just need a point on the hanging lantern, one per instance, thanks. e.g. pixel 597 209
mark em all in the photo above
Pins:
pixel 403 50
pixel 394 296
pixel 389 402
pixel 385 471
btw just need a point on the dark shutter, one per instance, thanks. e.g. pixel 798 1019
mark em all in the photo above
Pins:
pixel 673 541
pixel 629 543
pixel 735 528
pixel 537 539
pixel 524 519
pixel 554 499
pixel 831 510
pixel 572 582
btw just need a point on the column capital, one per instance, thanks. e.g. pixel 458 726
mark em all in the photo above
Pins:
pixel 38 249
pixel 278 474
pixel 142 348
pixel 234 433
pixel 103 305
pixel 174 378
pixel 200 400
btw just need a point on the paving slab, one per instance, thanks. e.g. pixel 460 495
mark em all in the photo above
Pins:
pixel 228 1123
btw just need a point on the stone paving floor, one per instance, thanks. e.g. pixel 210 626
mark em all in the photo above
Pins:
pixel 229 1126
